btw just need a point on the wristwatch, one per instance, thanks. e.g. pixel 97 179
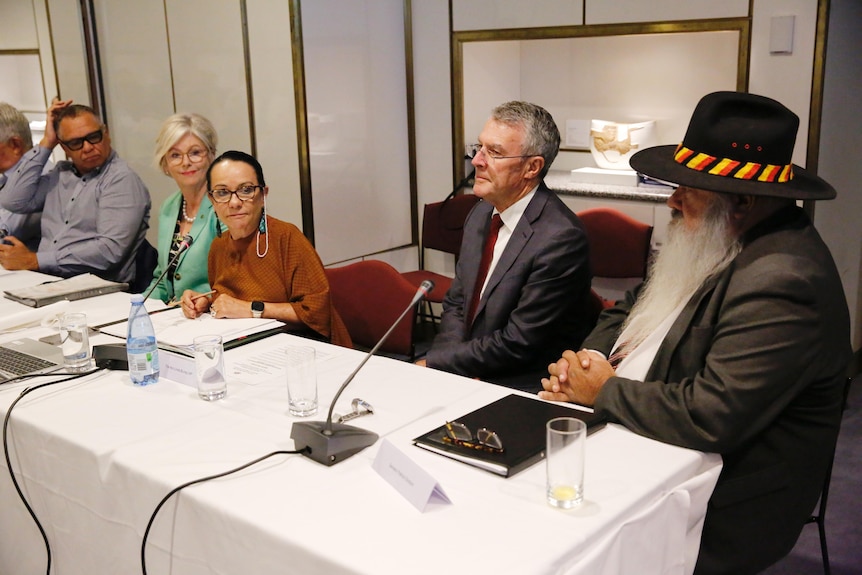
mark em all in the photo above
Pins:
pixel 257 309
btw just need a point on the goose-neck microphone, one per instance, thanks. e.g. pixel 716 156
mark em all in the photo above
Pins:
pixel 327 442
pixel 187 241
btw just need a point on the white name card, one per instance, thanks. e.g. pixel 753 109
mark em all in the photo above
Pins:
pixel 176 367
pixel 410 480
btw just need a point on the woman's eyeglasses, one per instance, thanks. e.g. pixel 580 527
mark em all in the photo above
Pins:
pixel 485 439
pixel 245 194
pixel 195 156
pixel 77 143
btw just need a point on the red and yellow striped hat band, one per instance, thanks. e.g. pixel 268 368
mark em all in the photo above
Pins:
pixel 732 168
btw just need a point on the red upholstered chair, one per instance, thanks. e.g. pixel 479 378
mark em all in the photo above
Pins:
pixel 619 247
pixel 369 296
pixel 442 230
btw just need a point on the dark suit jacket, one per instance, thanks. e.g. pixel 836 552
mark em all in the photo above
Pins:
pixel 534 306
pixel 752 369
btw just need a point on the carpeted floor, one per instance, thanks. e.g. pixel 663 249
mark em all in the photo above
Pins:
pixel 844 509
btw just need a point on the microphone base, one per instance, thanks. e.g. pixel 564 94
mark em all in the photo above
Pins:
pixel 111 356
pixel 344 441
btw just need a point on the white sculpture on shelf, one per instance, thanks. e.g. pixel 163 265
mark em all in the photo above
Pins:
pixel 613 143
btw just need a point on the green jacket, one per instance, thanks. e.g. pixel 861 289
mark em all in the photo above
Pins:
pixel 191 272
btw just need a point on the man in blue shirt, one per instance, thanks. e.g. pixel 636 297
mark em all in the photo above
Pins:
pixel 15 140
pixel 95 209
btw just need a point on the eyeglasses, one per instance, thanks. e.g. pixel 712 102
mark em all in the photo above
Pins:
pixel 245 194
pixel 78 143
pixel 195 156
pixel 474 149
pixel 485 439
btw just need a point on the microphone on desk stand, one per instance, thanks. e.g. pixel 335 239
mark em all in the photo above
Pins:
pixel 327 442
pixel 186 243
pixel 113 355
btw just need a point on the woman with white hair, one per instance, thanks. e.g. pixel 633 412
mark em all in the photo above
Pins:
pixel 185 148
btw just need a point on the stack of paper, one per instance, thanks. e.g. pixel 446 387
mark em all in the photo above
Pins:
pixel 176 332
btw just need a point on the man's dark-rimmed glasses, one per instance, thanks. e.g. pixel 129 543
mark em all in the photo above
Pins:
pixel 77 143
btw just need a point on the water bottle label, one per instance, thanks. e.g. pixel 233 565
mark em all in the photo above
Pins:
pixel 143 363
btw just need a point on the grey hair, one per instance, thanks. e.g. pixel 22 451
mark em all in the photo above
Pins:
pixel 177 127
pixel 13 123
pixel 542 137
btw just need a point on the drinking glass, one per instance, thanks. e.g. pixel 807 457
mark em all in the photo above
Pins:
pixel 567 438
pixel 209 367
pixel 301 381
pixel 75 341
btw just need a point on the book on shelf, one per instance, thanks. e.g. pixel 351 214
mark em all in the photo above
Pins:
pixel 69 289
pixel 519 422
pixel 654 183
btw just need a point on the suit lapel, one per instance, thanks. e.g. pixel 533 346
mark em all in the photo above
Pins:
pixel 516 244
pixel 661 364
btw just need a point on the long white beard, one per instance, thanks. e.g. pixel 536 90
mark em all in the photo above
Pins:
pixel 684 263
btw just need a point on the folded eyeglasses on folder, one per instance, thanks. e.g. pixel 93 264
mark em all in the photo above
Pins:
pixel 485 439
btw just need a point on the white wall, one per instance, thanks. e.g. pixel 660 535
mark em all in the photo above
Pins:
pixel 785 77
pixel 615 11
pixel 62 49
pixel 496 14
pixel 840 142
pixel 433 111
pixel 275 105
pixel 356 93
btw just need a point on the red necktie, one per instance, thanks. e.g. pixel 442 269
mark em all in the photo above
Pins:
pixel 484 264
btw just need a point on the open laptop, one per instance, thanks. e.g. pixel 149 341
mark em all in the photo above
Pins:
pixel 27 357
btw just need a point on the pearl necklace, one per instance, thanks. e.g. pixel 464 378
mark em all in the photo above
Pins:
pixel 185 215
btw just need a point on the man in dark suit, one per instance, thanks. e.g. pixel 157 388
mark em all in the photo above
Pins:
pixel 739 341
pixel 506 324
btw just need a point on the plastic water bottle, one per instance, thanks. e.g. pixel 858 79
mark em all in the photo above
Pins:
pixel 141 345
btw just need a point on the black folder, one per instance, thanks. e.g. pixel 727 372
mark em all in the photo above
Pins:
pixel 520 423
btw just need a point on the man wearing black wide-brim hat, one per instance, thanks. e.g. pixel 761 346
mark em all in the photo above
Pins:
pixel 739 340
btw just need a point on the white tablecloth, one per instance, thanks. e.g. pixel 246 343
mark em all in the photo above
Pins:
pixel 96 455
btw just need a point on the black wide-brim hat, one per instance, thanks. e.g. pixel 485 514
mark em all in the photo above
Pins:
pixel 736 143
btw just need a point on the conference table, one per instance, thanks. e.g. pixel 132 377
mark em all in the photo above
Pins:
pixel 95 455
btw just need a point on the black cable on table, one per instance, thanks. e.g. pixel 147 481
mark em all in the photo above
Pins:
pixel 193 482
pixel 21 396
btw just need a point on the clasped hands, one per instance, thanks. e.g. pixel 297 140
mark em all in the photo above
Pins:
pixel 576 377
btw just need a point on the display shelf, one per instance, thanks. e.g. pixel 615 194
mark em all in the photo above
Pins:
pixel 561 182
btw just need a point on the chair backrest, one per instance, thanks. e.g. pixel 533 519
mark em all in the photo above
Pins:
pixel 145 263
pixel 369 296
pixel 619 244
pixel 443 223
